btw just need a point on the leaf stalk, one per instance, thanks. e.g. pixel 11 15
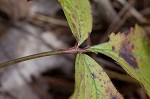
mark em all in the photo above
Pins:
pixel 72 50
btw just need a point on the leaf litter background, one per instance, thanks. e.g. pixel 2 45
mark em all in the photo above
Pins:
pixel 40 25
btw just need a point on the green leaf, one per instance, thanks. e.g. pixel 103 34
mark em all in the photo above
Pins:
pixel 132 51
pixel 91 82
pixel 79 17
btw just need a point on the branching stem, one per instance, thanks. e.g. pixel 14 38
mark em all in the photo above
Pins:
pixel 43 54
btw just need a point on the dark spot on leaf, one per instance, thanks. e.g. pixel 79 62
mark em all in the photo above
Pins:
pixel 77 6
pixel 126 33
pixel 91 65
pixel 114 97
pixel 73 16
pixel 132 46
pixel 130 59
pixel 107 90
pixel 81 76
pixel 98 94
pixel 73 25
pixel 126 54
pixel 80 36
pixel 113 48
pixel 93 75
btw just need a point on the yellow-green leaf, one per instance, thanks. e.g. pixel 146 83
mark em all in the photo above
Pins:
pixel 91 82
pixel 79 17
pixel 132 51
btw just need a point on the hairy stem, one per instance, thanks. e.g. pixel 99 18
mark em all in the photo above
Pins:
pixel 43 54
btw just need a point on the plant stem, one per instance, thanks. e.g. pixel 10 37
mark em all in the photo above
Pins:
pixel 43 54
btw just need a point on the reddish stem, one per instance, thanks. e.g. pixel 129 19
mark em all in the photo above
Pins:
pixel 72 50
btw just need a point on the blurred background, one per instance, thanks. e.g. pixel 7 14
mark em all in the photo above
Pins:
pixel 32 26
